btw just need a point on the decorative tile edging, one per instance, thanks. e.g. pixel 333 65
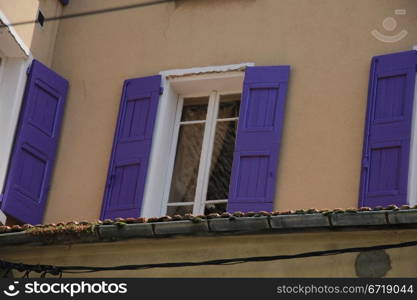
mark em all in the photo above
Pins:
pixel 241 224
pixel 180 227
pixel 368 218
pixel 117 232
pixel 402 217
pixel 299 221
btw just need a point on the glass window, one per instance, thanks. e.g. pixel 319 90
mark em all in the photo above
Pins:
pixel 203 157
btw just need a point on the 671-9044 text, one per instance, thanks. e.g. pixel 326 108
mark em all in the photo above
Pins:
pixel 365 289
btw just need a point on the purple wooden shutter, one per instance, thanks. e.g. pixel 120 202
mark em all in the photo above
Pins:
pixel 386 148
pixel 255 161
pixel 36 141
pixel 131 148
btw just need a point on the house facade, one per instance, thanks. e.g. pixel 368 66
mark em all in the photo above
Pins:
pixel 208 107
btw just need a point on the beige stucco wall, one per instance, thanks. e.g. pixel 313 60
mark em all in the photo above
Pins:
pixel 40 40
pixel 327 43
pixel 184 249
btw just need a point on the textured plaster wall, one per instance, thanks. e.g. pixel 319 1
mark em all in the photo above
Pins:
pixel 180 249
pixel 327 43
pixel 40 40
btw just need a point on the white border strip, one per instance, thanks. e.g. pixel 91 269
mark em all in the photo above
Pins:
pixel 412 170
pixel 3 218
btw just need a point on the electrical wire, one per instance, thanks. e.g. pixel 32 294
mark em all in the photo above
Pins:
pixel 90 13
pixel 59 270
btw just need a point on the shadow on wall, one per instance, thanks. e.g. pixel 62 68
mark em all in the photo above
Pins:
pixel 43 39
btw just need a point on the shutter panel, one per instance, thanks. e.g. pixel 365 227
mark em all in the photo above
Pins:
pixel 255 161
pixel 386 149
pixel 35 145
pixel 131 148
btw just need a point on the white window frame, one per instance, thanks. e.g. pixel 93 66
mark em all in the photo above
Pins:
pixel 412 170
pixel 16 58
pixel 206 151
pixel 2 61
pixel 184 82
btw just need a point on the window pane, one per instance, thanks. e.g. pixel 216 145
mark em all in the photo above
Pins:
pixel 179 210
pixel 194 109
pixel 222 159
pixel 215 208
pixel 229 106
pixel 187 161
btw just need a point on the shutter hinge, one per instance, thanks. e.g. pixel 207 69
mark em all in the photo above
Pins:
pixel 111 178
pixel 365 162
pixel 161 90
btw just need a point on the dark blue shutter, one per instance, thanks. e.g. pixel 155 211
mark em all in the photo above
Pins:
pixel 131 148
pixel 261 118
pixel 386 149
pixel 36 141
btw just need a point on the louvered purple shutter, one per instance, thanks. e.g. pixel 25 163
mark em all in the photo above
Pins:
pixel 36 141
pixel 131 148
pixel 255 161
pixel 386 149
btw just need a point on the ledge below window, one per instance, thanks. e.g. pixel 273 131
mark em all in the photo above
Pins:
pixel 214 224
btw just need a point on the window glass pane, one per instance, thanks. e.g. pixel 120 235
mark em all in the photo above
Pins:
pixel 215 208
pixel 229 106
pixel 179 210
pixel 194 109
pixel 222 159
pixel 187 161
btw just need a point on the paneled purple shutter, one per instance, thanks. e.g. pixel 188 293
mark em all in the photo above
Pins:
pixel 131 148
pixel 36 141
pixel 386 150
pixel 255 161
